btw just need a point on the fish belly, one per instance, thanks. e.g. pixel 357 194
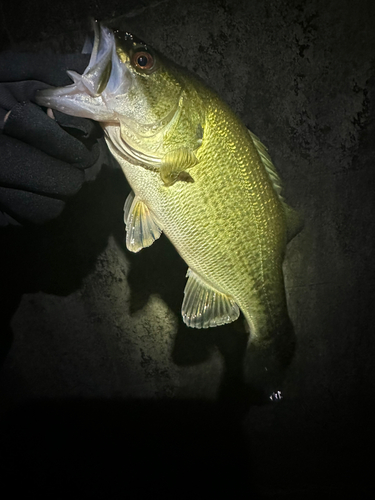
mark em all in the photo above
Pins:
pixel 229 235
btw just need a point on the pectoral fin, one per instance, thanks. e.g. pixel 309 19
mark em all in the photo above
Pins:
pixel 204 307
pixel 175 164
pixel 142 228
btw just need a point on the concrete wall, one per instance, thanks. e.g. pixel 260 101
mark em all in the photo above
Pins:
pixel 89 327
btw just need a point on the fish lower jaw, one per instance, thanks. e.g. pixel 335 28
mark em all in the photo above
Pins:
pixel 72 101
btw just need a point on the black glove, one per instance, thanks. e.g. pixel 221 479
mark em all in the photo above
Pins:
pixel 43 160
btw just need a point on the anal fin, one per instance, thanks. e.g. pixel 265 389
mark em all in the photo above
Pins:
pixel 142 228
pixel 204 307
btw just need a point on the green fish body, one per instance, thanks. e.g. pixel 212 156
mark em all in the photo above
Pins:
pixel 197 174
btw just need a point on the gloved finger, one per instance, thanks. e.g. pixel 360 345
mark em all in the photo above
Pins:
pixel 25 167
pixel 83 128
pixel 12 93
pixel 25 206
pixel 30 124
pixel 48 68
pixel 104 159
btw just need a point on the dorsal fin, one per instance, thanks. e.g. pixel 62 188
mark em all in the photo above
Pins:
pixel 269 166
pixel 293 219
pixel 204 307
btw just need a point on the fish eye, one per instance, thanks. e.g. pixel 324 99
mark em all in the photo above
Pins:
pixel 143 60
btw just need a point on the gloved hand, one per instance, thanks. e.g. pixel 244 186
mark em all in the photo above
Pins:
pixel 44 160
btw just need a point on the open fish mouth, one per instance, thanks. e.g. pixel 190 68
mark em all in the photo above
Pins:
pixel 92 94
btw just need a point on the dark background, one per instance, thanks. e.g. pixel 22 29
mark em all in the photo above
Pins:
pixel 104 391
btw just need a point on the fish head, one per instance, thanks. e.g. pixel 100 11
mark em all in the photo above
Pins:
pixel 126 84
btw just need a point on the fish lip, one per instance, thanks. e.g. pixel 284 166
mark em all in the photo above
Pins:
pixel 104 51
pixel 87 96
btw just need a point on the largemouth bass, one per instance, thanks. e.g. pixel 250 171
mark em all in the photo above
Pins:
pixel 197 174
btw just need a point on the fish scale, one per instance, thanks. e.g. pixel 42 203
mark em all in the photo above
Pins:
pixel 229 225
pixel 197 175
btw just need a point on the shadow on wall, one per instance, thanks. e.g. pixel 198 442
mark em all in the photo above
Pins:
pixel 54 258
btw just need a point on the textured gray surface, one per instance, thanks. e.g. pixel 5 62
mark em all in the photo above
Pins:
pixel 92 321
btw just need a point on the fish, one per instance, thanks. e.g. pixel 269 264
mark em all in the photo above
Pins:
pixel 197 174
